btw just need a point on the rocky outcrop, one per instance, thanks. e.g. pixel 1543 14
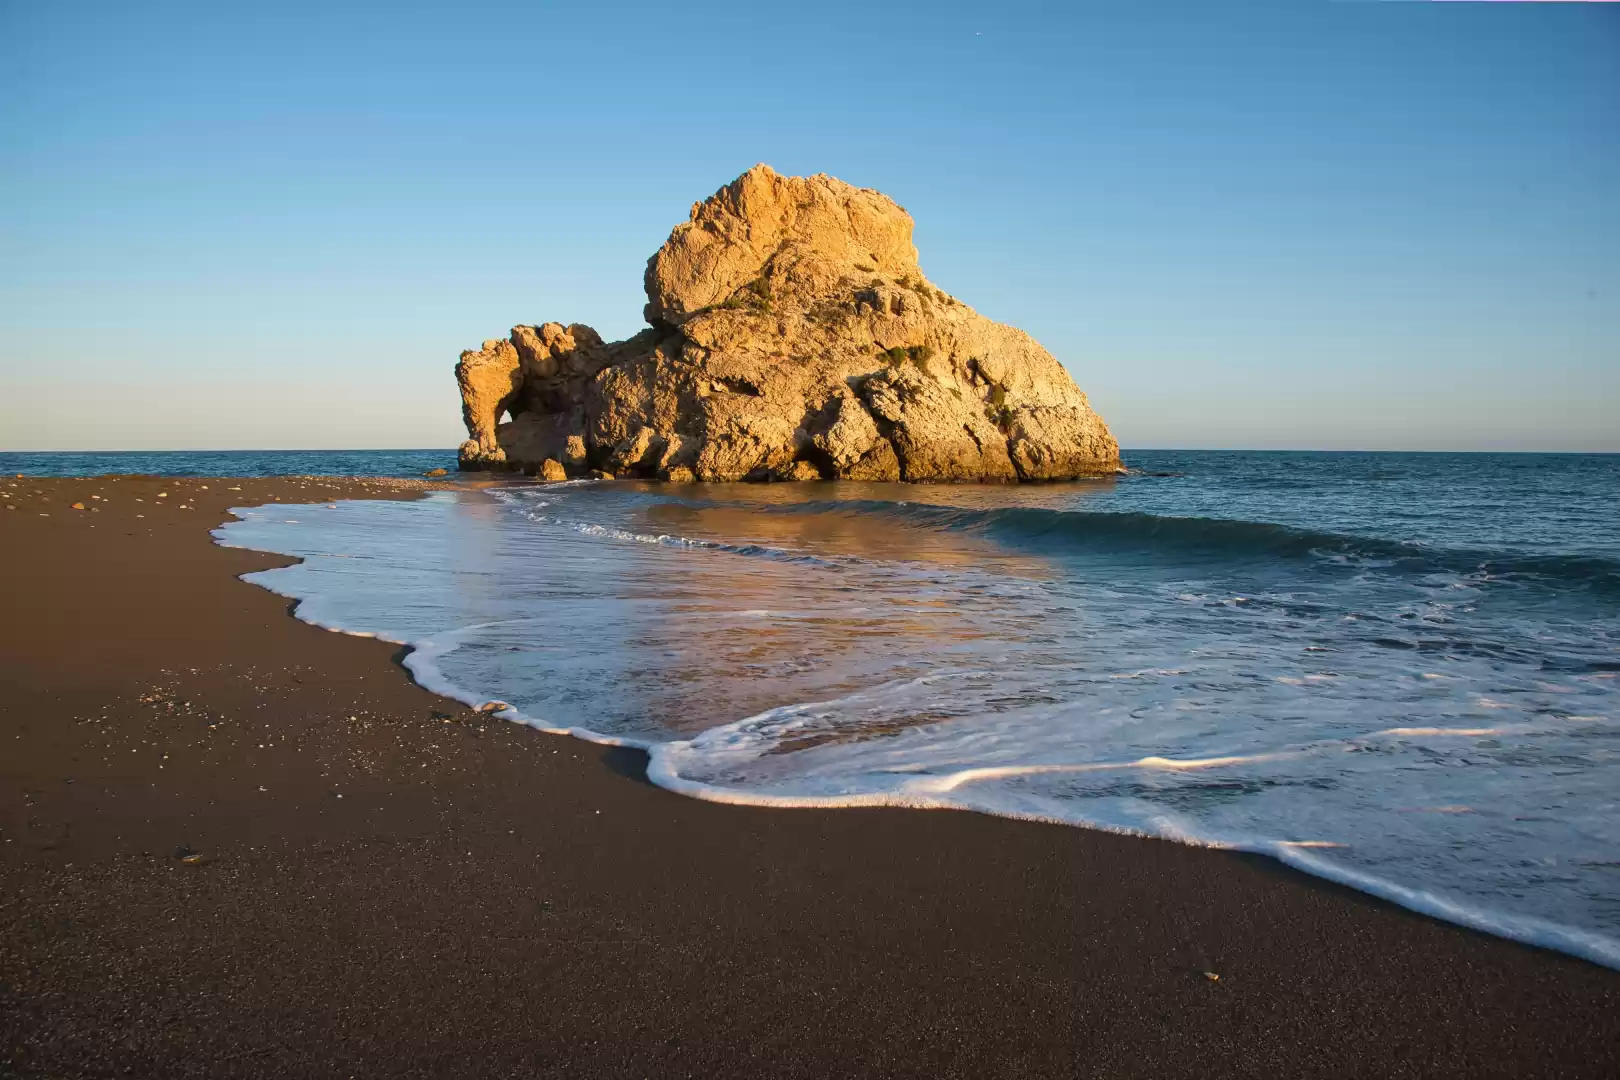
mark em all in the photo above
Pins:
pixel 792 336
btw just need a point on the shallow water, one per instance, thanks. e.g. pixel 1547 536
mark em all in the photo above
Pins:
pixel 1397 671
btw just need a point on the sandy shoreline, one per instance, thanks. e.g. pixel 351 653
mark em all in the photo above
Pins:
pixel 382 883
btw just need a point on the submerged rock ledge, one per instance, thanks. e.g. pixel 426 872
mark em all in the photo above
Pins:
pixel 792 337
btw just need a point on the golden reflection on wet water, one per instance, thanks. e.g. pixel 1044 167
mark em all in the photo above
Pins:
pixel 732 635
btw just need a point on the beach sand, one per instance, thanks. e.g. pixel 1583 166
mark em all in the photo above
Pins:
pixel 237 845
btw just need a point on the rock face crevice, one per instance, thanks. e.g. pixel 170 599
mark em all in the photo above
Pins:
pixel 792 336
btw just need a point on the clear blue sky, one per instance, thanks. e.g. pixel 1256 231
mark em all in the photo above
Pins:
pixel 1381 225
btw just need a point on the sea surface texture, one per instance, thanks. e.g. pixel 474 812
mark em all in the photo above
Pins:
pixel 1397 671
pixel 227 462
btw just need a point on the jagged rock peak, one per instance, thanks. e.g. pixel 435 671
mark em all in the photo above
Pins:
pixel 793 336
pixel 814 224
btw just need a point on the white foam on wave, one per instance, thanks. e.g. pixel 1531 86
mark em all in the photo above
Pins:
pixel 1522 928
pixel 675 540
pixel 666 758
pixel 1461 732
pixel 423 664
pixel 1003 772
pixel 587 528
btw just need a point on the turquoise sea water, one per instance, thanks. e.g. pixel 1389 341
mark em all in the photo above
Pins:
pixel 1397 671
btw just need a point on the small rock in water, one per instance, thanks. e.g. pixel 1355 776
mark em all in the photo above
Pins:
pixel 551 470
pixel 494 707
pixel 437 472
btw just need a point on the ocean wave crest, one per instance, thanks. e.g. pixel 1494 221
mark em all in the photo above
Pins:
pixel 1228 538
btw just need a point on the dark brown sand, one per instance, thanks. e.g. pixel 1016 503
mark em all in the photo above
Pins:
pixel 390 885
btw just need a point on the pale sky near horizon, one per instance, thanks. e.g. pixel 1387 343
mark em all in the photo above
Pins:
pixel 1332 225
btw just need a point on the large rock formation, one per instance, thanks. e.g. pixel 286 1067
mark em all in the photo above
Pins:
pixel 792 336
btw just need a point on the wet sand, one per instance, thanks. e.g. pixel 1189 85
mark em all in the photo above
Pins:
pixel 237 845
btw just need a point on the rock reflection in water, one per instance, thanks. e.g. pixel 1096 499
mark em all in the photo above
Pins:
pixel 810 606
